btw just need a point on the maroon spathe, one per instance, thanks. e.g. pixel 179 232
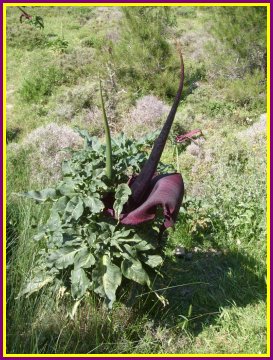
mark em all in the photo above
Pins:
pixel 165 191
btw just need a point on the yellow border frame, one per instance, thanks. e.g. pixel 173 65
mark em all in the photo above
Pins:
pixel 267 5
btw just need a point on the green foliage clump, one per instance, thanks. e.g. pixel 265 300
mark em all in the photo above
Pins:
pixel 85 249
pixel 25 36
pixel 248 92
pixel 143 56
pixel 94 41
pixel 232 210
pixel 57 44
pixel 39 86
pixel 242 29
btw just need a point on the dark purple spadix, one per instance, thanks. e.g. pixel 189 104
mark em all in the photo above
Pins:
pixel 143 180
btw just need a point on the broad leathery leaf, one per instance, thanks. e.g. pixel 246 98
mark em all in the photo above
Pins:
pixel 111 279
pixel 83 259
pixel 132 269
pixel 79 283
pixel 66 168
pixel 130 250
pixel 153 260
pixel 114 242
pixel 122 195
pixel 60 204
pixel 35 284
pixel 67 188
pixel 94 204
pixel 91 239
pixel 74 209
pixel 84 134
pixel 121 234
pixel 63 257
pixel 57 238
pixel 97 274
pixel 143 245
pixel 42 195
pixel 54 222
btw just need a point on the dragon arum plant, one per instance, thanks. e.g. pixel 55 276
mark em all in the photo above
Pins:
pixel 99 230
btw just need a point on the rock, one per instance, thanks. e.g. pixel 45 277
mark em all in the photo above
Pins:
pixel 179 251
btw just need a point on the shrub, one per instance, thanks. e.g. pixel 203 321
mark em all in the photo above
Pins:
pixel 249 92
pixel 58 44
pixel 145 116
pixel 25 36
pixel 243 30
pixel 227 215
pixel 40 85
pixel 79 62
pixel 255 135
pixel 226 187
pixel 48 144
pixel 143 56
pixel 76 100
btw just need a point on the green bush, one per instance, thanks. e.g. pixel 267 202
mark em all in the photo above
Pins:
pixel 249 92
pixel 143 57
pixel 25 36
pixel 242 29
pixel 39 86
pixel 232 210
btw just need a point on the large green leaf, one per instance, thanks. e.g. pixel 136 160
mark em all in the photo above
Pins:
pixel 111 279
pixel 94 204
pixel 66 168
pixel 132 269
pixel 42 195
pixel 83 259
pixel 74 209
pixel 67 188
pixel 54 222
pixel 60 204
pixel 153 260
pixel 143 245
pixel 122 234
pixel 91 238
pixel 79 283
pixel 63 257
pixel 122 195
pixel 57 238
pixel 97 274
pixel 35 284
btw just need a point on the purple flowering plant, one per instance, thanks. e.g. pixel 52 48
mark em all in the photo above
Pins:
pixel 108 213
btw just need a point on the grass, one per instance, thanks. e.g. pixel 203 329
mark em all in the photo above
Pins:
pixel 217 290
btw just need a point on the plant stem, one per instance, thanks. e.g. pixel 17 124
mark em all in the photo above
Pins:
pixel 24 13
pixel 107 138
